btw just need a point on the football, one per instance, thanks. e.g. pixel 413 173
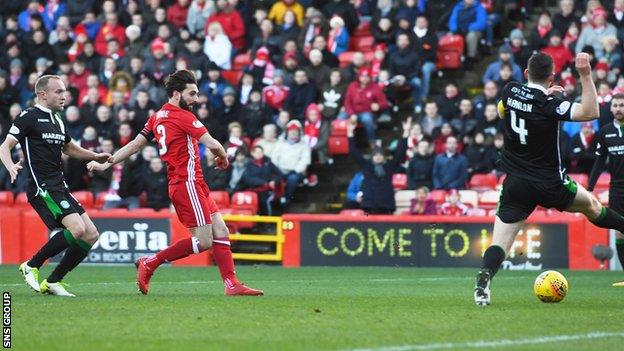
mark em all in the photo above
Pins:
pixel 550 286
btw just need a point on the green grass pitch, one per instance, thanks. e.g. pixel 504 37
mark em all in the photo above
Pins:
pixel 375 309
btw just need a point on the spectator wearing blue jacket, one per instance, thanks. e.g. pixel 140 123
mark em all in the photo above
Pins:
pixel 505 55
pixel 469 18
pixel 354 192
pixel 450 169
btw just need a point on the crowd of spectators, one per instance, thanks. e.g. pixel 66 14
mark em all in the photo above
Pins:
pixel 274 74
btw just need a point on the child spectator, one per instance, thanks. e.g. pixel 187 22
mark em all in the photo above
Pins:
pixel 422 204
pixel 453 206
pixel 316 133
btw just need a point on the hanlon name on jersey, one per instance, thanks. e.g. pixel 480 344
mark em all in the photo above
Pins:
pixel 53 138
pixel 517 105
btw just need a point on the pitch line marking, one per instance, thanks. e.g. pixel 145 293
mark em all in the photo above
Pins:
pixel 498 343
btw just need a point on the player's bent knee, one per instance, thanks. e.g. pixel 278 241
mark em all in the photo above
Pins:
pixel 91 236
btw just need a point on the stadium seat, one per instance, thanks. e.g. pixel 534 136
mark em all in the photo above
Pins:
pixel 481 182
pixel 603 181
pixel 450 51
pixel 399 181
pixel 346 58
pixel 221 198
pixel 477 212
pixel 245 200
pixel 469 197
pixel 363 44
pixel 21 200
pixel 580 178
pixel 353 212
pixel 241 61
pixel 232 76
pixel 403 198
pixel 502 179
pixel 338 145
pixel 363 30
pixel 339 127
pixel 6 198
pixel 100 198
pixel 439 196
pixel 236 225
pixel 85 198
pixel 489 199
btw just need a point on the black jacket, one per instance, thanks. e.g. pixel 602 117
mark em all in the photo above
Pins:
pixel 155 185
pixel 253 118
pixel 132 178
pixel 299 97
pixel 345 10
pixel 420 172
pixel 225 115
pixel 378 192
pixel 478 161
pixel 404 62
pixel 215 178
pixel 426 47
pixel 581 157
pixel 257 177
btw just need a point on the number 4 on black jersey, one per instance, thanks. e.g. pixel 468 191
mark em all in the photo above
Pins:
pixel 531 131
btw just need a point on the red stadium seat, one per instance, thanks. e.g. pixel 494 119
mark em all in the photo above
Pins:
pixel 363 30
pixel 346 58
pixel 339 127
pixel 6 198
pixel 221 198
pixel 354 213
pixel 85 198
pixel 482 182
pixel 450 51
pixel 338 145
pixel 236 225
pixel 232 76
pixel 489 199
pixel 439 196
pixel 603 181
pixel 469 197
pixel 363 44
pixel 241 61
pixel 245 200
pixel 580 178
pixel 21 200
pixel 399 181
pixel 100 199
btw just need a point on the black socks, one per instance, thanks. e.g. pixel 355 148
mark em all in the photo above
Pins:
pixel 55 245
pixel 609 219
pixel 493 258
pixel 73 256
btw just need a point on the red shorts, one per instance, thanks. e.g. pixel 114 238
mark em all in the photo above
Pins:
pixel 193 203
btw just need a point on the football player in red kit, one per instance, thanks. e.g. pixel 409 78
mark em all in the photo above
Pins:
pixel 177 131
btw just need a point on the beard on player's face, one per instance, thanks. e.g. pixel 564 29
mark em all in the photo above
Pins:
pixel 187 106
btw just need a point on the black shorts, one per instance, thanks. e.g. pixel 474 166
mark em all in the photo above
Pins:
pixel 519 197
pixel 616 200
pixel 54 205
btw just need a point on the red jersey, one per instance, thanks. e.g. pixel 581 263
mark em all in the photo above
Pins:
pixel 177 130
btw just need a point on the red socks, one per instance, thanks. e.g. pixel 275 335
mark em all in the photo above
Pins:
pixel 223 258
pixel 180 249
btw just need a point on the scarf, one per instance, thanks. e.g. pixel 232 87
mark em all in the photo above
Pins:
pixel 420 32
pixel 542 31
pixel 379 170
pixel 586 140
pixel 312 132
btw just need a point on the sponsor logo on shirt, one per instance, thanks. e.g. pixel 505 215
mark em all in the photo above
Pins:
pixel 197 124
pixel 43 120
pixel 64 204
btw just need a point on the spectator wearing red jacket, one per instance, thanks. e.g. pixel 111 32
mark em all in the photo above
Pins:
pixel 231 21
pixel 176 13
pixel 363 100
pixel 453 206
pixel 560 53
pixel 110 30
pixel 78 76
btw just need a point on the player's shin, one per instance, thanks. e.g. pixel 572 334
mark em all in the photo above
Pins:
pixel 222 255
pixel 609 219
pixel 55 245
pixel 493 258
pixel 75 254
pixel 181 249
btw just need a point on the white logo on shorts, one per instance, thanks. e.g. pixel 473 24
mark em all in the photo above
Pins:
pixel 64 204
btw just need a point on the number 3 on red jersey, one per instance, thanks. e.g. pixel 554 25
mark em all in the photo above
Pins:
pixel 160 129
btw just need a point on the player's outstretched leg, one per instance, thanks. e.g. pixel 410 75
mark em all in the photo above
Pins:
pixel 83 235
pixel 222 255
pixel 55 245
pixel 181 249
pixel 502 239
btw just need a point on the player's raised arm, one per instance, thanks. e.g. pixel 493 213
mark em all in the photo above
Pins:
pixel 216 148
pixel 588 109
pixel 128 150
pixel 5 155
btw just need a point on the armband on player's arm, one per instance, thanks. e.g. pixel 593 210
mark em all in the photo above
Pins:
pixel 501 109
